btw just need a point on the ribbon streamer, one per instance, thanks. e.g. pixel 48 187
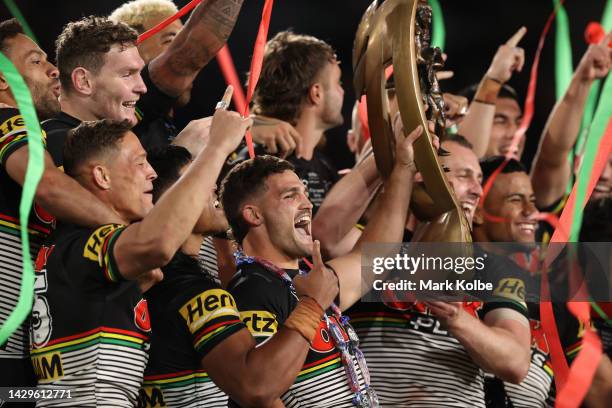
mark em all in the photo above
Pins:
pixel 599 146
pixel 151 32
pixel 34 173
pixel 226 63
pixel 438 37
pixel 10 4
pixel 256 64
pixel 563 51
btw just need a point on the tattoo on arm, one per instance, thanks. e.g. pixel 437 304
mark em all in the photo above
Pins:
pixel 220 17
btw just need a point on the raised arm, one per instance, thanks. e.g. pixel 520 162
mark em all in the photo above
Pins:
pixel 552 170
pixel 258 376
pixel 477 124
pixel 61 195
pixel 343 206
pixel 152 242
pixel 388 221
pixel 204 34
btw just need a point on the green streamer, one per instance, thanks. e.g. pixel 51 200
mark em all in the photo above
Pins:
pixel 606 20
pixel 596 132
pixel 33 174
pixel 439 32
pixel 10 4
pixel 589 109
pixel 564 66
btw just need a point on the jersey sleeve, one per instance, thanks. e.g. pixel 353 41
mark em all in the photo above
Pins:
pixel 263 302
pixel 91 256
pixel 13 133
pixel 209 315
pixel 509 287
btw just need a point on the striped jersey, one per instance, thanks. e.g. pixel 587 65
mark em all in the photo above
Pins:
pixel 207 257
pixel 414 361
pixel 265 301
pixel 90 328
pixel 191 314
pixel 534 390
pixel 13 136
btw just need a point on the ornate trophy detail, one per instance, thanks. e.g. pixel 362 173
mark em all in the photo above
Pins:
pixel 397 32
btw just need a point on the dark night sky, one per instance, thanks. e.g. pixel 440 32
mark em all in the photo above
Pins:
pixel 474 30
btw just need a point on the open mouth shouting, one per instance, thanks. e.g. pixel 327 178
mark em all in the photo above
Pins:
pixel 302 225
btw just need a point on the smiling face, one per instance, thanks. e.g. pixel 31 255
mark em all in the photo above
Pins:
pixel 41 77
pixel 465 176
pixel 506 121
pixel 131 178
pixel 117 86
pixel 287 214
pixel 512 199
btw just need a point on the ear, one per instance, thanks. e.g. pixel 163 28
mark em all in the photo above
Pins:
pixel 82 81
pixel 315 93
pixel 252 216
pixel 4 86
pixel 101 177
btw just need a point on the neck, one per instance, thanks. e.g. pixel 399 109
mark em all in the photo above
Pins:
pixel 267 251
pixel 76 107
pixel 7 100
pixel 311 131
pixel 192 246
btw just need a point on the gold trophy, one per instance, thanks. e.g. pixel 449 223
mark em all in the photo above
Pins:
pixel 397 32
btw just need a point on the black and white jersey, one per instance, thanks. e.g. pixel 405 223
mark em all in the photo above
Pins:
pixel 265 301
pixel 13 136
pixel 191 314
pixel 90 328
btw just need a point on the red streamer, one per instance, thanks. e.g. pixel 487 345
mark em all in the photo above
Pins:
pixel 226 63
pixel 579 378
pixel 149 33
pixel 533 81
pixel 256 64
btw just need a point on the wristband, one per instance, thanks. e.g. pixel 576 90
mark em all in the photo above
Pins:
pixel 305 318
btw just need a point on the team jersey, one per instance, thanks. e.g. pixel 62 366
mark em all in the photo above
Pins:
pixel 13 136
pixel 90 328
pixel 534 390
pixel 317 174
pixel 265 301
pixel 191 314
pixel 151 107
pixel 207 257
pixel 414 361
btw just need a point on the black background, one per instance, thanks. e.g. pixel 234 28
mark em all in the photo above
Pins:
pixel 474 30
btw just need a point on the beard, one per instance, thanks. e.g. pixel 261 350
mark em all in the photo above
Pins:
pixel 47 105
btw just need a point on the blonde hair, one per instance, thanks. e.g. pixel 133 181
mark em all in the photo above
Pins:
pixel 136 13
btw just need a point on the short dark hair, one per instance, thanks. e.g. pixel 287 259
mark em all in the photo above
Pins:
pixel 290 67
pixel 490 164
pixel 506 91
pixel 456 138
pixel 243 181
pixel 84 43
pixel 91 139
pixel 167 162
pixel 8 30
